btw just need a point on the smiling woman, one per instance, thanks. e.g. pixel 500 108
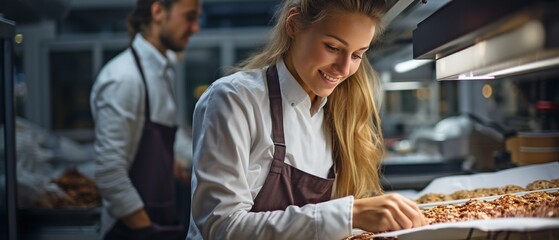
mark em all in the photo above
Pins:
pixel 322 52
pixel 290 145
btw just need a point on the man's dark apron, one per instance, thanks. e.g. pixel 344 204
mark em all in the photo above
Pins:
pixel 286 185
pixel 151 172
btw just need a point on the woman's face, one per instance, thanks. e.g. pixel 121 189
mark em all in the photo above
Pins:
pixel 328 52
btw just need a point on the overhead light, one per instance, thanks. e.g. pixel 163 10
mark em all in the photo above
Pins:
pixel 487 91
pixel 410 65
pixel 548 63
pixel 18 38
pixel 400 86
pixel 472 77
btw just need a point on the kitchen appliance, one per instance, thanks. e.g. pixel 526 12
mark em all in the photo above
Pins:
pixel 480 39
pixel 449 139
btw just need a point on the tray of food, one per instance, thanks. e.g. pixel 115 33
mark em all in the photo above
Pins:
pixel 74 201
pixel 77 192
pixel 430 200
pixel 522 215
pixel 518 203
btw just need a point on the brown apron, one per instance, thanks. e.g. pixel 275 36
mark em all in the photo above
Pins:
pixel 286 185
pixel 151 174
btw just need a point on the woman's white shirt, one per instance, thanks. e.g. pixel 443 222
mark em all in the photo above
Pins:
pixel 232 153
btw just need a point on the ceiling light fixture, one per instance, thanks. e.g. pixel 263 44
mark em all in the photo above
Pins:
pixel 409 65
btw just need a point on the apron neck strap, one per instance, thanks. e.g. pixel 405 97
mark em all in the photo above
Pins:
pixel 137 61
pixel 274 93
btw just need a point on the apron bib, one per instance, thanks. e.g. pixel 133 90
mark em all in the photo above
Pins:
pixel 151 173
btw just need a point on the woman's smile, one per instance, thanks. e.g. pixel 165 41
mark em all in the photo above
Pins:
pixel 332 48
pixel 329 78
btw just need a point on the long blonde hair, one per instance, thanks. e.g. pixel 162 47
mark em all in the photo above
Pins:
pixel 351 114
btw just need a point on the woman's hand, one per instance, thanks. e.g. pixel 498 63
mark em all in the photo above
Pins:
pixel 387 212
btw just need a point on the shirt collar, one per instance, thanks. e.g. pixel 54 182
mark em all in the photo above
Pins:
pixel 152 57
pixel 293 91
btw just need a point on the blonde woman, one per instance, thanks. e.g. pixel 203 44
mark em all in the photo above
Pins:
pixel 289 146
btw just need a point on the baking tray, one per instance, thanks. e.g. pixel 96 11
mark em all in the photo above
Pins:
pixel 498 228
pixel 488 198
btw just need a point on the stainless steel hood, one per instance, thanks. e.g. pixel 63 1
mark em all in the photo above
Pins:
pixel 485 39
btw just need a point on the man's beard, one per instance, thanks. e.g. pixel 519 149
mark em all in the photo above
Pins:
pixel 169 44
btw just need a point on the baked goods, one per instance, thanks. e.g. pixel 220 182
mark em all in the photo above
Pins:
pixel 536 204
pixel 433 197
pixel 362 236
pixel 539 204
pixel 512 189
pixel 485 192
pixel 78 192
pixel 541 184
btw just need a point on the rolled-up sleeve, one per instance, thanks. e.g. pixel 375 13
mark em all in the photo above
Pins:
pixel 118 126
pixel 221 202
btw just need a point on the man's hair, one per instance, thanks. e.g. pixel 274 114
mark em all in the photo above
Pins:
pixel 141 14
